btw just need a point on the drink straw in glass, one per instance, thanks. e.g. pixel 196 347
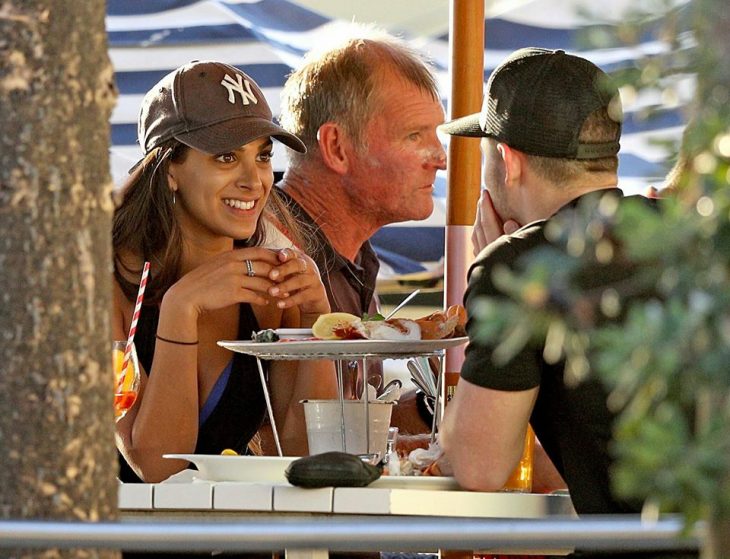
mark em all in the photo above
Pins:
pixel 133 326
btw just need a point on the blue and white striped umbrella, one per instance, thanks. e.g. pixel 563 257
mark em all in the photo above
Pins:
pixel 267 38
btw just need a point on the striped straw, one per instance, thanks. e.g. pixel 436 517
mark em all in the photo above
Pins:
pixel 133 326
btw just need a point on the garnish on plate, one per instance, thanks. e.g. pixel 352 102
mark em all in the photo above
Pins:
pixel 333 326
pixel 265 336
pixel 438 325
pixel 372 317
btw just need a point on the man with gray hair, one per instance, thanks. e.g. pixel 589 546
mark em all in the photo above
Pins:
pixel 367 109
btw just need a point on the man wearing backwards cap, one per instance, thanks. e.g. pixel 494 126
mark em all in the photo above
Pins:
pixel 550 125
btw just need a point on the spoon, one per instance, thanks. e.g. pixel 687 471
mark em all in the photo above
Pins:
pixel 423 364
pixel 402 304
pixel 391 392
pixel 372 458
pixel 418 380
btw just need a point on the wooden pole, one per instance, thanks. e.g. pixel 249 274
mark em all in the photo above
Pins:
pixel 466 43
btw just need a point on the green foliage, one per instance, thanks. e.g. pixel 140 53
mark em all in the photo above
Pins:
pixel 372 317
pixel 657 335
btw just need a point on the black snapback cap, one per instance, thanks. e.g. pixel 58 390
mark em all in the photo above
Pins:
pixel 210 106
pixel 537 102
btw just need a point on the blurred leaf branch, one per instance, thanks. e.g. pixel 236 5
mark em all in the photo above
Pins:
pixel 654 323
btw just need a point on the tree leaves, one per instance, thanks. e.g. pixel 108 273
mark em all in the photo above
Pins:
pixel 657 335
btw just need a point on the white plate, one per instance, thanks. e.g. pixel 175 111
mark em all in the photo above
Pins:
pixel 268 469
pixel 294 333
pixel 335 348
pixel 216 467
pixel 431 483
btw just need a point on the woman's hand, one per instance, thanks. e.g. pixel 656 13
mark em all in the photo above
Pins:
pixel 297 283
pixel 237 276
pixel 488 225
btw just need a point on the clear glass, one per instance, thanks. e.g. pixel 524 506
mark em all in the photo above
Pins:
pixel 126 385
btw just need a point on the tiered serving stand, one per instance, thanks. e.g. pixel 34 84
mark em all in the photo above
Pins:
pixel 341 352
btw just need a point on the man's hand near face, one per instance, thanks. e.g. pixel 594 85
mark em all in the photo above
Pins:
pixel 488 225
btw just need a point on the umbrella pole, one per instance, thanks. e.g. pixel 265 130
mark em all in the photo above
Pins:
pixel 466 45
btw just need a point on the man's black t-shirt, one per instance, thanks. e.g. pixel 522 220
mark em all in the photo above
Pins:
pixel 572 422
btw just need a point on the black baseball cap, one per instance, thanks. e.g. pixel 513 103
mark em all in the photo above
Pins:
pixel 537 101
pixel 209 106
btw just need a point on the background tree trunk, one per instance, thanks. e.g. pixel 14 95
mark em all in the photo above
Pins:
pixel 57 453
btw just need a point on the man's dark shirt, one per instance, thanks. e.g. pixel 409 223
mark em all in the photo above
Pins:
pixel 573 423
pixel 350 286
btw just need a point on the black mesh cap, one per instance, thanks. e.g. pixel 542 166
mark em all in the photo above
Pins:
pixel 537 101
pixel 210 106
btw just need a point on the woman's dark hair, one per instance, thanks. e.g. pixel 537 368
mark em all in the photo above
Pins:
pixel 144 226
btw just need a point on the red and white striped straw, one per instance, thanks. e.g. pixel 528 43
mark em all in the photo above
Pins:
pixel 133 326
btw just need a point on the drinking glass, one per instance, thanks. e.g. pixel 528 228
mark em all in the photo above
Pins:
pixel 126 388
pixel 521 479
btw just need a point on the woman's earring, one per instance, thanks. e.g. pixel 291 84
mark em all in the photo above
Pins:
pixel 173 197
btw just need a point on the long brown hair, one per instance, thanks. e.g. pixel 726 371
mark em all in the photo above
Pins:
pixel 145 227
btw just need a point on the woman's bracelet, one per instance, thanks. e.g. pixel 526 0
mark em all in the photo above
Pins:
pixel 176 342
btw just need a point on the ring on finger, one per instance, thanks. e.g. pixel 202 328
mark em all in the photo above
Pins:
pixel 249 269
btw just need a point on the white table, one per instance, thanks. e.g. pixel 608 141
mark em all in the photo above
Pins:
pixel 228 501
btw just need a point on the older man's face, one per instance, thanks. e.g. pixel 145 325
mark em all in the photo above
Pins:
pixel 392 176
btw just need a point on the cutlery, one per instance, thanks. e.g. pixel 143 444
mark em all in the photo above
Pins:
pixel 391 392
pixel 418 380
pixel 372 458
pixel 396 382
pixel 402 304
pixel 430 398
pixel 423 367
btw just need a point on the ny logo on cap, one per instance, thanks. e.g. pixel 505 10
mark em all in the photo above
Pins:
pixel 241 86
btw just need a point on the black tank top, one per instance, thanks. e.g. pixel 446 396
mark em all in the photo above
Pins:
pixel 241 408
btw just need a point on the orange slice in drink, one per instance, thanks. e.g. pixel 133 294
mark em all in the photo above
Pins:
pixel 118 362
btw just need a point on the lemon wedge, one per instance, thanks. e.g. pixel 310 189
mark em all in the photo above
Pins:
pixel 228 452
pixel 326 325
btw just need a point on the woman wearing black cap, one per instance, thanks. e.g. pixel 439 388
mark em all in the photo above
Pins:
pixel 195 208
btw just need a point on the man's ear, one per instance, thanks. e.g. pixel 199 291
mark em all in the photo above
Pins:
pixel 513 163
pixel 334 145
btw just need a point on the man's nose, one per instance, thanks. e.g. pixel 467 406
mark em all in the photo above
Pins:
pixel 439 156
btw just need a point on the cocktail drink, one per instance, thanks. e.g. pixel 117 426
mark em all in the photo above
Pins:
pixel 521 479
pixel 126 384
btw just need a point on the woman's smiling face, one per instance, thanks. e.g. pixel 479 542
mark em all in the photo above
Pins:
pixel 222 195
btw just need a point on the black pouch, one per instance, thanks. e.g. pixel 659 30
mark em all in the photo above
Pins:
pixel 331 469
